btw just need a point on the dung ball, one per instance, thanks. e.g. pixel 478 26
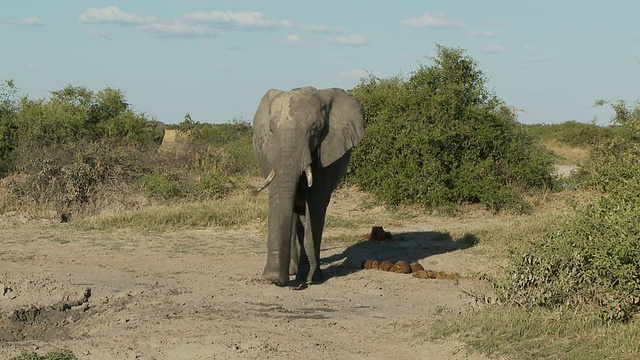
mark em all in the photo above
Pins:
pixel 415 266
pixel 401 267
pixel 386 265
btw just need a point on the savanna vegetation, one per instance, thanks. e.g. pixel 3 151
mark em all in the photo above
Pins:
pixel 436 140
pixel 571 289
pixel 439 138
pixel 81 152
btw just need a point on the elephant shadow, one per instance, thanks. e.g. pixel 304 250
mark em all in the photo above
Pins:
pixel 409 246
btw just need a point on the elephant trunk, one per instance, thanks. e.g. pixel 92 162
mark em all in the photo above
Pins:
pixel 281 204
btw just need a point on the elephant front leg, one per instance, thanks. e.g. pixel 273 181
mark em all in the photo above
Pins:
pixel 279 244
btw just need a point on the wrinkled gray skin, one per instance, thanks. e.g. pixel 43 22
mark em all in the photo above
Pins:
pixel 158 129
pixel 293 130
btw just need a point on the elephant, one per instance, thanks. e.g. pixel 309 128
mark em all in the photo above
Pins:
pixel 157 130
pixel 303 140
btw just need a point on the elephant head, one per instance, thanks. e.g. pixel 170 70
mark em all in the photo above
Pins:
pixel 303 140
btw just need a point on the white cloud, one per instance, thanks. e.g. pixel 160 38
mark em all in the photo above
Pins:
pixel 113 14
pixel 485 33
pixel 205 24
pixel 319 28
pixel 527 48
pixel 242 19
pixel 179 28
pixel 494 49
pixel 30 21
pixel 432 21
pixel 293 40
pixel 351 40
pixel 96 33
pixel 357 73
pixel 33 66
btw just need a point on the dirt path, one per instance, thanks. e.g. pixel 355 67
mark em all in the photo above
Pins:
pixel 196 295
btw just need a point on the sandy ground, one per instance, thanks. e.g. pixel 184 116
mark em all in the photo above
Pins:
pixel 564 170
pixel 197 294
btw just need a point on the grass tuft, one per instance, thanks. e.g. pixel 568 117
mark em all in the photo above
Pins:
pixel 541 333
pixel 54 355
pixel 234 211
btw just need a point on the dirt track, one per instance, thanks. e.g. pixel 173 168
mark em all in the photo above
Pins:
pixel 197 295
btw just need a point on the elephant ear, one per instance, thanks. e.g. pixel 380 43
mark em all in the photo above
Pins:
pixel 261 130
pixel 345 125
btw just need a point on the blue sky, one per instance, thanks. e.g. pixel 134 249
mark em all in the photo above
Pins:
pixel 215 59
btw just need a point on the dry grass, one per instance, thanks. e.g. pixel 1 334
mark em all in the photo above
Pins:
pixel 566 154
pixel 504 331
pixel 240 209
pixel 539 333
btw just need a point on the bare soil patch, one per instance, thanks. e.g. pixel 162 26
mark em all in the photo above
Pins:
pixel 197 294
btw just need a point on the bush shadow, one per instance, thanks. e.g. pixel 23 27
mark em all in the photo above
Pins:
pixel 408 246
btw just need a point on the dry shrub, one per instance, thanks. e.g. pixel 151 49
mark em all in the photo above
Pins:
pixel 76 179
pixel 82 152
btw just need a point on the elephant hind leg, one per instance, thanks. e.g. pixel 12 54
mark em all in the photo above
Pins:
pixel 296 243
pixel 309 268
pixel 297 235
pixel 302 246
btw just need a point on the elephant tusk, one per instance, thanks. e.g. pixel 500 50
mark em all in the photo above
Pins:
pixel 270 178
pixel 307 172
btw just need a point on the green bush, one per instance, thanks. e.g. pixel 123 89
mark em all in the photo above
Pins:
pixel 212 153
pixel 8 108
pixel 81 152
pixel 213 183
pixel 161 185
pixel 439 138
pixel 227 148
pixel 217 135
pixel 72 152
pixel 594 257
pixel 573 133
pixel 71 115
